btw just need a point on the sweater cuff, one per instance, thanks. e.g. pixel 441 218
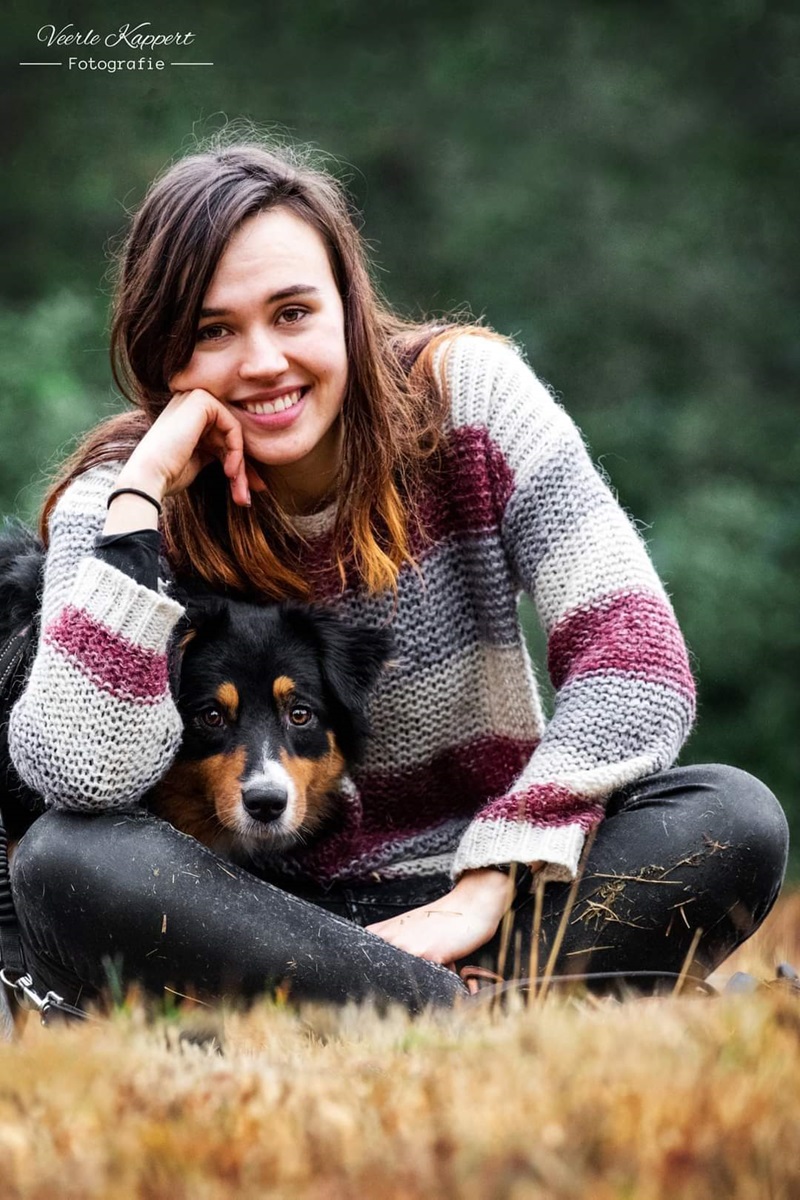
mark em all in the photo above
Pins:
pixel 112 599
pixel 487 843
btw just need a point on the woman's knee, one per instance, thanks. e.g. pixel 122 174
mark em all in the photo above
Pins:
pixel 60 897
pixel 64 851
pixel 76 879
pixel 753 814
pixel 752 836
pixel 44 863
pixel 125 888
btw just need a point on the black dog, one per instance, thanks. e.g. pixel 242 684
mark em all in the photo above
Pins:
pixel 20 582
pixel 273 701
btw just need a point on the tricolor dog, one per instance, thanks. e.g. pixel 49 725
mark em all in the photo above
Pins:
pixel 273 701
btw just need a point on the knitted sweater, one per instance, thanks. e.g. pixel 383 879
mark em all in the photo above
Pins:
pixel 462 770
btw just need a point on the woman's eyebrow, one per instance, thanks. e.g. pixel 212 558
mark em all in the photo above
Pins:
pixel 295 289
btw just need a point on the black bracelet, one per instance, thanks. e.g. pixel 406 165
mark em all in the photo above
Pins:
pixel 134 492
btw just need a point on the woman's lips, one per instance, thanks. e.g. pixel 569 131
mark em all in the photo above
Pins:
pixel 275 414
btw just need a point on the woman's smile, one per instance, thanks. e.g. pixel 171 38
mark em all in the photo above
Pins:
pixel 261 406
pixel 272 410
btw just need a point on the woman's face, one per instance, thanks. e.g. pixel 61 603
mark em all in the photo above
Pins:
pixel 270 344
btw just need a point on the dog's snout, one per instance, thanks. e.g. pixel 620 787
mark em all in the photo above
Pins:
pixel 265 802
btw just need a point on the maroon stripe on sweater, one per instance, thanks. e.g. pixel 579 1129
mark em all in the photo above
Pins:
pixel 470 493
pixel 546 805
pixel 629 631
pixel 466 496
pixel 109 660
pixel 396 807
pixel 456 783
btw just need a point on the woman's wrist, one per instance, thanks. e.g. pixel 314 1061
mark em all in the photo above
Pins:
pixel 135 474
pixel 128 511
pixel 480 877
pixel 493 887
pixel 487 889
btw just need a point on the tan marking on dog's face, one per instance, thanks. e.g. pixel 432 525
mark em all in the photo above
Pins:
pixel 187 637
pixel 283 689
pixel 228 696
pixel 314 779
pixel 202 798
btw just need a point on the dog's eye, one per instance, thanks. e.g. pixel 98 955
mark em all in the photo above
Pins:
pixel 212 717
pixel 299 714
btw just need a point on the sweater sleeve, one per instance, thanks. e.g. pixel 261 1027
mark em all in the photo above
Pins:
pixel 96 725
pixel 624 693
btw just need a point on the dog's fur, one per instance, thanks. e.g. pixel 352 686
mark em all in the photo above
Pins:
pixel 274 706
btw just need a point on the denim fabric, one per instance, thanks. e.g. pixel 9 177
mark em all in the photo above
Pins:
pixel 690 848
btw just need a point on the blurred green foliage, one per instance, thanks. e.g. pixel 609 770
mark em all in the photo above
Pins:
pixel 613 183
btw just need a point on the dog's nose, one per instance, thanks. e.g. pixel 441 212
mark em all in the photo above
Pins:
pixel 265 802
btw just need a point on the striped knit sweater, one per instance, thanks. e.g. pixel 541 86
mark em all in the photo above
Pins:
pixel 463 770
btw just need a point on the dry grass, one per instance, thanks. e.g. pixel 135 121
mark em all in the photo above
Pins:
pixel 653 1100
pixel 778 940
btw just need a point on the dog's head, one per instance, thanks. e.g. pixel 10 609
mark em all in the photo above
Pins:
pixel 21 569
pixel 274 704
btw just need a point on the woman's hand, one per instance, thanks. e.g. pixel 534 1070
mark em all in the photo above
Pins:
pixel 193 430
pixel 456 924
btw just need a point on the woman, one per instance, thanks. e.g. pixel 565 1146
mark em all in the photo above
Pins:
pixel 292 437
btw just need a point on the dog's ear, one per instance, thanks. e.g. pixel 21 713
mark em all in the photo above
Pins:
pixel 352 657
pixel 204 616
pixel 351 660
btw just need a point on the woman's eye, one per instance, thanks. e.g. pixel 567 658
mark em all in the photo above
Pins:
pixel 290 316
pixel 210 333
pixel 212 718
pixel 300 715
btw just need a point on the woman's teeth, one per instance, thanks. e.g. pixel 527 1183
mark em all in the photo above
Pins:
pixel 265 407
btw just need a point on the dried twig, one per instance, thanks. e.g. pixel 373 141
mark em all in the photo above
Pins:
pixel 687 962
pixel 564 922
pixel 538 901
pixel 507 924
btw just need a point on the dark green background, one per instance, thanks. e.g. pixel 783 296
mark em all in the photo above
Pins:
pixel 613 183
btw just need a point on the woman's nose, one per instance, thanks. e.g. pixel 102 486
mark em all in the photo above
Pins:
pixel 262 354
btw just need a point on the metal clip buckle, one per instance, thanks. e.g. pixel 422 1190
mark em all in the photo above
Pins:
pixel 55 1003
pixel 28 998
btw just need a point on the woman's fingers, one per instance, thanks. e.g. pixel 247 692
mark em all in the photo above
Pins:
pixel 240 488
pixel 440 936
pixel 194 429
pixel 253 478
pixel 231 455
pixel 223 436
pixel 243 475
pixel 455 924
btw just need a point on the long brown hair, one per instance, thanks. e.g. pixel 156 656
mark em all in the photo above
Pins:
pixel 392 411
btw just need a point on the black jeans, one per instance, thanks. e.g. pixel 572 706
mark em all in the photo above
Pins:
pixel 686 849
